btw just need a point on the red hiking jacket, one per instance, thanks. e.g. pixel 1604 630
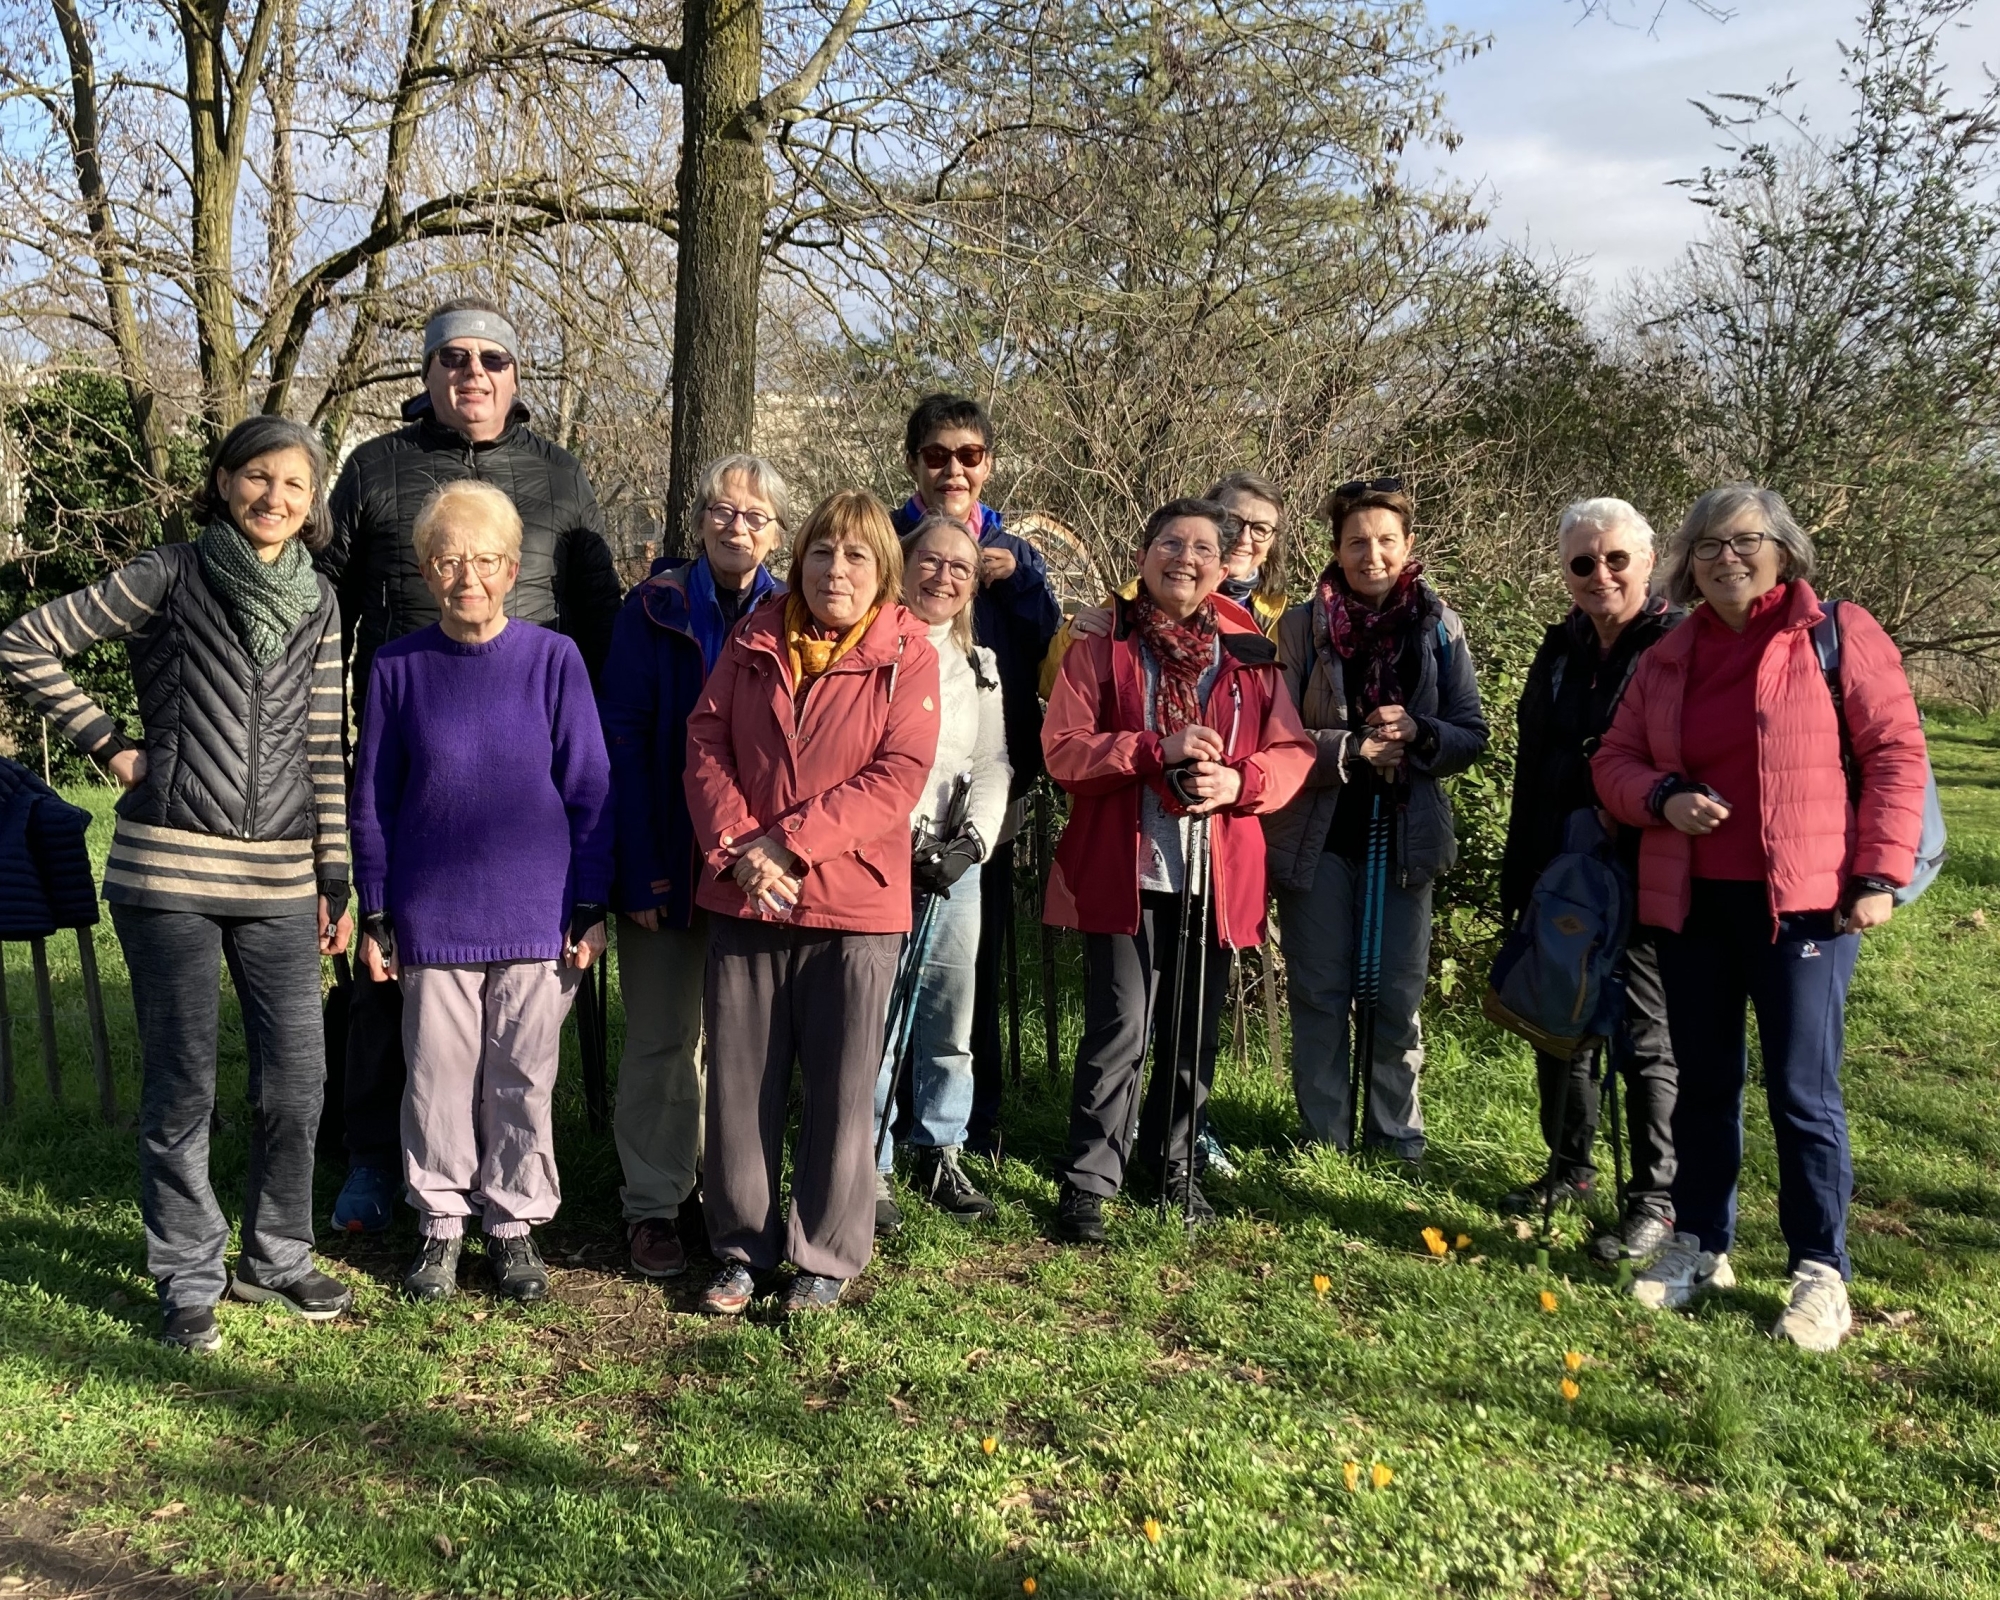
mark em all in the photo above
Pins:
pixel 836 778
pixel 1097 746
pixel 1814 839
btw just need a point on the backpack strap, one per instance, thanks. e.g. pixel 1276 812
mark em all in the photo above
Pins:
pixel 1826 647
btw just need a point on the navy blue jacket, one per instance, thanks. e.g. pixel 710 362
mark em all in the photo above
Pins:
pixel 664 642
pixel 45 877
pixel 1015 619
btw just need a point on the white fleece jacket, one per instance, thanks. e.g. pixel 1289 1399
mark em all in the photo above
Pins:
pixel 971 738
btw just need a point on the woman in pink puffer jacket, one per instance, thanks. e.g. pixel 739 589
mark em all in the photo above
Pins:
pixel 1761 870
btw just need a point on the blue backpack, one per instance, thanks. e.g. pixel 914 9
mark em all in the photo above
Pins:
pixel 1556 982
pixel 1931 842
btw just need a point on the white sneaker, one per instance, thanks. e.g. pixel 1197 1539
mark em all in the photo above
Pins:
pixel 1818 1317
pixel 1681 1271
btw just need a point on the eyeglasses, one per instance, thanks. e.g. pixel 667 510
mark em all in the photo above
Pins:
pixel 1355 486
pixel 724 515
pixel 485 564
pixel 1745 545
pixel 1614 561
pixel 937 456
pixel 930 563
pixel 456 358
pixel 1258 533
pixel 1202 555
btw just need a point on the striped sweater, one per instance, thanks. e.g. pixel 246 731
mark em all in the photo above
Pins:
pixel 242 811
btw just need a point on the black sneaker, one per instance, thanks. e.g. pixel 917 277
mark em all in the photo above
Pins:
pixel 1643 1235
pixel 940 1180
pixel 1182 1197
pixel 192 1329
pixel 888 1215
pixel 1079 1216
pixel 517 1268
pixel 1530 1199
pixel 316 1297
pixel 812 1291
pixel 434 1274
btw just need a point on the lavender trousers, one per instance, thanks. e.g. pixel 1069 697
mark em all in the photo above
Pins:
pixel 483 1043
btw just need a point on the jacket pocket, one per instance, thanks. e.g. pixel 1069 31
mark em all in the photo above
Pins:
pixel 877 856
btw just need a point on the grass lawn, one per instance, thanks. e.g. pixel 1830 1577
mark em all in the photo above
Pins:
pixel 1304 1401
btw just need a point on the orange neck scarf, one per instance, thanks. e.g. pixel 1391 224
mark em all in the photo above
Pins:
pixel 808 645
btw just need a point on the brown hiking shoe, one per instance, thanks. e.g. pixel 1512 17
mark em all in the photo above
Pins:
pixel 657 1251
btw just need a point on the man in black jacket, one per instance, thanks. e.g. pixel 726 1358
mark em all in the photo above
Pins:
pixel 468 423
pixel 1571 695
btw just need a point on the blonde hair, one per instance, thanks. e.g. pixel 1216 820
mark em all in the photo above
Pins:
pixel 467 501
pixel 939 522
pixel 851 514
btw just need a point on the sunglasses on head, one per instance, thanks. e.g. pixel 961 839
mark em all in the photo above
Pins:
pixel 1355 486
pixel 456 358
pixel 937 456
pixel 1614 561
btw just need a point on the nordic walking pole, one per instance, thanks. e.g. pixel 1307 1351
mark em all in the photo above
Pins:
pixel 1180 1004
pixel 1368 969
pixel 1612 1066
pixel 1203 911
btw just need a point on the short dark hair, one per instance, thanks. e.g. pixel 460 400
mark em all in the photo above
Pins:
pixel 261 436
pixel 1188 506
pixel 1348 499
pixel 936 412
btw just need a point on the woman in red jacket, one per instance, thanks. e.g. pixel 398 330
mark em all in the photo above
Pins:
pixel 807 753
pixel 1181 682
pixel 1762 862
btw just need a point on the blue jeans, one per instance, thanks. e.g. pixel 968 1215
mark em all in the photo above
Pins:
pixel 941 1038
pixel 1721 961
pixel 1318 927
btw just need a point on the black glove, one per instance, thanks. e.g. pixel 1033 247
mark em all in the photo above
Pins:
pixel 585 915
pixel 378 925
pixel 935 865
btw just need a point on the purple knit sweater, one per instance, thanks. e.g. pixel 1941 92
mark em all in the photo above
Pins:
pixel 481 809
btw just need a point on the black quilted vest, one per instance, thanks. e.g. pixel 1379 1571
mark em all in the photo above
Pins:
pixel 225 744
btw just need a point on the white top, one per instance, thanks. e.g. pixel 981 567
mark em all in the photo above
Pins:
pixel 971 738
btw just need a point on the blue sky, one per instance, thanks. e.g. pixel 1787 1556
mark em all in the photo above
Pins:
pixel 1578 126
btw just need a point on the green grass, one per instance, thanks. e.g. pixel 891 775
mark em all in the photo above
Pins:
pixel 612 1443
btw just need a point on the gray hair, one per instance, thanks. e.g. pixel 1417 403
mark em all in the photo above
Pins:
pixel 1606 514
pixel 1717 509
pixel 764 479
pixel 933 522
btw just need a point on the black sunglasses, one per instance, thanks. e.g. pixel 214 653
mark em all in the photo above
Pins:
pixel 456 358
pixel 1614 561
pixel 1355 486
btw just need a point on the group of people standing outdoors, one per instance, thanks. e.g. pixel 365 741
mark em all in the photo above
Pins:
pixel 787 805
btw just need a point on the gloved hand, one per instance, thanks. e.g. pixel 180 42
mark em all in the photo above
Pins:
pixel 936 865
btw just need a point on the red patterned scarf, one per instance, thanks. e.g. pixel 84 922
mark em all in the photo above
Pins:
pixel 1184 651
pixel 1374 636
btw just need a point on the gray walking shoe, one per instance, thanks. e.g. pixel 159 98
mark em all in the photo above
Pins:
pixel 434 1274
pixel 517 1268
pixel 888 1215
pixel 1643 1235
pixel 1818 1317
pixel 940 1180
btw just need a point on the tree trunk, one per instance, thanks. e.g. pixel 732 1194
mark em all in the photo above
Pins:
pixel 724 194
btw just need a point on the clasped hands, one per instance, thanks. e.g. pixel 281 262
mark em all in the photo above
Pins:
pixel 1213 784
pixel 1389 731
pixel 768 874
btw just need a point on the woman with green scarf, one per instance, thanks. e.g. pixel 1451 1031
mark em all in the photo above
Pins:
pixel 230 844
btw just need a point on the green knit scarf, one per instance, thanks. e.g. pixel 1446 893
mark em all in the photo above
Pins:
pixel 266 601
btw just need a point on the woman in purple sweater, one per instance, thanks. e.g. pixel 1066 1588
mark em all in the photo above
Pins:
pixel 481 832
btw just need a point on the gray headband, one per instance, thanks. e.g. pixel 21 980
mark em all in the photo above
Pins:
pixel 488 325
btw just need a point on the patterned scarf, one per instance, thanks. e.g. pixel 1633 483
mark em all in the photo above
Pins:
pixel 812 645
pixel 1375 636
pixel 266 601
pixel 1184 650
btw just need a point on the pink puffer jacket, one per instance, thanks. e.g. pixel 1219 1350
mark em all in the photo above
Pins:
pixel 1814 839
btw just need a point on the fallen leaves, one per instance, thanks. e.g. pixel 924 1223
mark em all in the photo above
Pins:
pixel 173 1508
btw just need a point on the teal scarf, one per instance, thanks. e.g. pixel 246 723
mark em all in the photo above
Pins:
pixel 266 602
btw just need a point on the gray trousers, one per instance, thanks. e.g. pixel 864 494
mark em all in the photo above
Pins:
pixel 1128 993
pixel 1320 928
pixel 776 995
pixel 1643 1055
pixel 658 1120
pixel 174 957
pixel 483 1041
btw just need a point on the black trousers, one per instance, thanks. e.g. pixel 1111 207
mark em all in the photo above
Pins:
pixel 1129 982
pixel 1644 1056
pixel 372 1097
pixel 989 1069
